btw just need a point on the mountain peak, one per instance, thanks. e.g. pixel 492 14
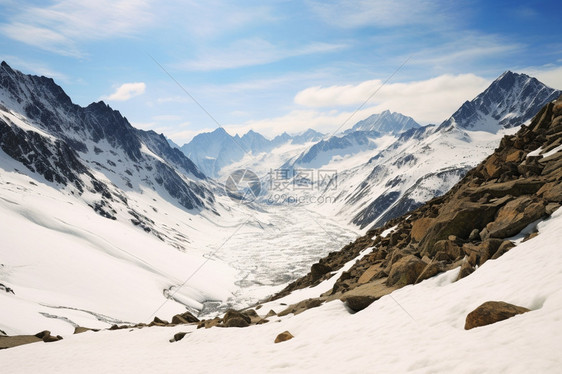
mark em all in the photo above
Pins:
pixel 509 101
pixel 386 122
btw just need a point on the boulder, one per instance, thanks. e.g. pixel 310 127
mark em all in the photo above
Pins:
pixel 492 312
pixel 371 273
pixel 515 215
pixel 251 313
pixel 158 322
pixel 466 270
pixel 283 337
pixel 430 271
pixel 358 303
pixel 504 247
pixel 318 270
pixel 405 271
pixel 478 254
pixel 236 322
pixel 233 314
pixel 187 317
pixel 420 227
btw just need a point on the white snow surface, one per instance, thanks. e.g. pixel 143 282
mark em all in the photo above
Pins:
pixel 417 329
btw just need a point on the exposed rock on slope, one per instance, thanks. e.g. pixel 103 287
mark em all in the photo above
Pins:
pixel 517 185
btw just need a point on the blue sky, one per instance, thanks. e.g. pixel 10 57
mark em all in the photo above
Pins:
pixel 283 65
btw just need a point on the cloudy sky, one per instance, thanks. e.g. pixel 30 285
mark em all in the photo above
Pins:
pixel 181 67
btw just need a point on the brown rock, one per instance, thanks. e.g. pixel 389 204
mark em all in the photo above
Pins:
pixel 430 271
pixel 236 322
pixel 178 336
pixel 551 191
pixel 301 307
pixel 233 314
pixel 492 312
pixel 420 227
pixel 187 316
pixel 251 313
pixel 14 341
pixel 515 215
pixel 358 303
pixel 79 329
pixel 318 270
pixel 283 337
pixel 369 274
pixel 466 270
pixel 405 271
pixel 504 247
pixel 178 320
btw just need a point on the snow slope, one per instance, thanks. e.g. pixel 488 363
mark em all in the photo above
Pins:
pixel 416 329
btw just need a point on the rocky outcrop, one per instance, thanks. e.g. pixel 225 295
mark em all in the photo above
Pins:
pixel 516 186
pixel 492 312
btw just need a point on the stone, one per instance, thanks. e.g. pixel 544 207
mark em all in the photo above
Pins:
pixel 236 322
pixel 14 341
pixel 369 274
pixel 478 254
pixel 232 314
pixel 178 336
pixel 158 322
pixel 251 313
pixel 270 313
pixel 515 215
pixel 301 307
pixel 184 318
pixel 358 303
pixel 283 337
pixel 466 270
pixel 80 330
pixel 318 270
pixel 430 271
pixel 474 235
pixel 503 248
pixel 420 227
pixel 492 312
pixel 405 271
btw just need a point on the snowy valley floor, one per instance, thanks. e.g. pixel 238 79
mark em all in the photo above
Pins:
pixel 418 329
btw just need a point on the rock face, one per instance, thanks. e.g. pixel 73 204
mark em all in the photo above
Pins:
pixel 514 187
pixel 492 312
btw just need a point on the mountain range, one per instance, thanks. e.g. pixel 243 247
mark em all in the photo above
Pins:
pixel 133 217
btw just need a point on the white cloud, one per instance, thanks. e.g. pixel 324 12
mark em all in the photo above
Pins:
pixel 127 91
pixel 427 101
pixel 60 26
pixel 381 13
pixel 251 52
pixel 464 50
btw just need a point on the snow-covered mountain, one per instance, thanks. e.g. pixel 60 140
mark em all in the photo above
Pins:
pixel 217 150
pixel 386 122
pixel 511 100
pixel 382 177
pixel 103 223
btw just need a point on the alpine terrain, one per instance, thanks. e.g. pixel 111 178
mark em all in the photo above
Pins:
pixel 428 248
